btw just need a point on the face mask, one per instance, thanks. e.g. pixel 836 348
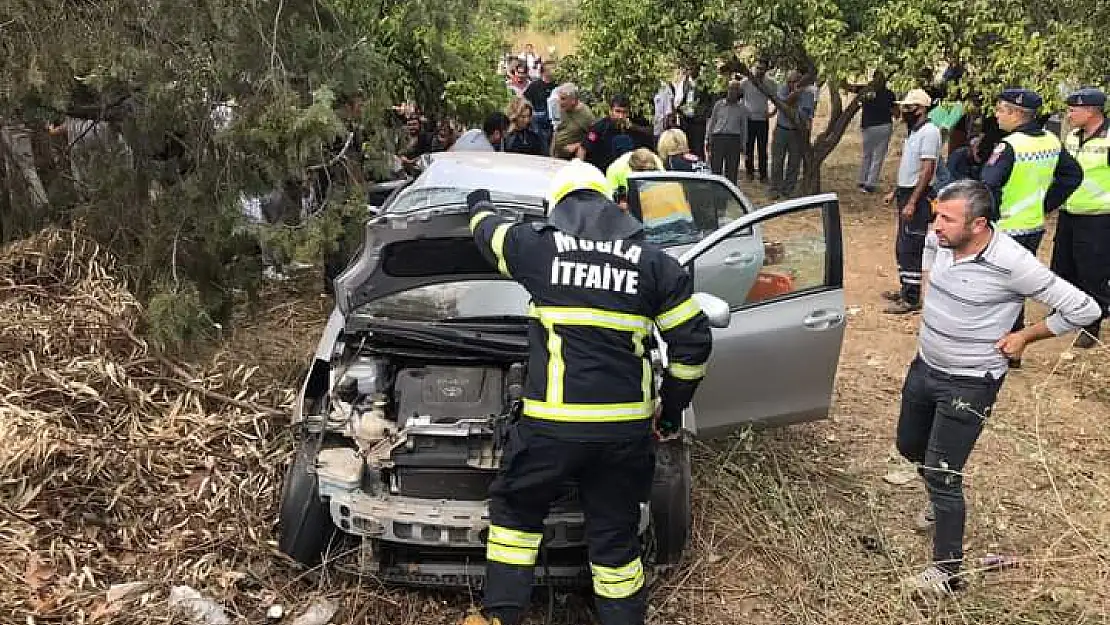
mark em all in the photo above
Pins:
pixel 910 118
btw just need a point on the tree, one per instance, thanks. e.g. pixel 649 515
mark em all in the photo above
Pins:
pixel 1036 43
pixel 164 187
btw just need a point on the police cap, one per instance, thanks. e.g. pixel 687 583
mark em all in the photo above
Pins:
pixel 1088 96
pixel 1022 98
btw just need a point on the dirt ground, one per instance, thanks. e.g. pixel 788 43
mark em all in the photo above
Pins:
pixel 792 526
pixel 797 525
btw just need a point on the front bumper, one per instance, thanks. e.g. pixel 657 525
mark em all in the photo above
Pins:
pixel 434 524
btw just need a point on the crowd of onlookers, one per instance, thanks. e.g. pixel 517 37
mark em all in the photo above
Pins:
pixel 727 129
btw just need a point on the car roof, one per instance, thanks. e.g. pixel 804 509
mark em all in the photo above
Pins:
pixel 516 174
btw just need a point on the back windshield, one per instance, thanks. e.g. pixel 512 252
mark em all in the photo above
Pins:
pixel 427 197
pixel 468 299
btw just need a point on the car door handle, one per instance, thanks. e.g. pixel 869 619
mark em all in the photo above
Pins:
pixel 738 258
pixel 822 319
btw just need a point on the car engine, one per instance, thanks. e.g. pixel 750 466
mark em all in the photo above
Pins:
pixel 426 431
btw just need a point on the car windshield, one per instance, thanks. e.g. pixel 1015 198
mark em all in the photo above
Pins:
pixel 427 197
pixel 469 299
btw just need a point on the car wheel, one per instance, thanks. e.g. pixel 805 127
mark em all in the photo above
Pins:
pixel 671 511
pixel 305 525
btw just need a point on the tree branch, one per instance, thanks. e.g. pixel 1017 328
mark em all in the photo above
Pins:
pixel 838 125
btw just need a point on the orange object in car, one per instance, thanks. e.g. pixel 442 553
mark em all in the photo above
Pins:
pixel 770 284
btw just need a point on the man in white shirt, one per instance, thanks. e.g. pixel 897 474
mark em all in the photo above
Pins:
pixel 664 109
pixel 913 197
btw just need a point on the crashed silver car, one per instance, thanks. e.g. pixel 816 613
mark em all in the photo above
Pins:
pixel 416 378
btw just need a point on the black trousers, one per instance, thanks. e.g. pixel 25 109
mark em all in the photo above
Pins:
pixel 756 146
pixel 694 127
pixel 941 418
pixel 1031 242
pixel 725 153
pixel 612 479
pixel 910 242
pixel 1081 255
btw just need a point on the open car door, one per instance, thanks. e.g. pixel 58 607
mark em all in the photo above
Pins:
pixel 780 269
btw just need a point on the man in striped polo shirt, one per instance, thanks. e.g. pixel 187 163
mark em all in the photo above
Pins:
pixel 977 282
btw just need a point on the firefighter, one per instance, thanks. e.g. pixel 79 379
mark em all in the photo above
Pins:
pixel 1029 173
pixel 587 419
pixel 1081 254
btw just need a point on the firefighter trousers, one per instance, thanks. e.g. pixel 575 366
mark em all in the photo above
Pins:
pixel 612 478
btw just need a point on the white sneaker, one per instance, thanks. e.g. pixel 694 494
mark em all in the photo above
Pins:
pixel 932 583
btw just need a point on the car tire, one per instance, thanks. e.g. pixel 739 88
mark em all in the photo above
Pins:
pixel 671 509
pixel 305 528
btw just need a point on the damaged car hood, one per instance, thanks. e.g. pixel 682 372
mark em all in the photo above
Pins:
pixel 405 251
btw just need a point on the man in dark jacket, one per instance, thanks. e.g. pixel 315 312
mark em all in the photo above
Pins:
pixel 597 292
pixel 614 135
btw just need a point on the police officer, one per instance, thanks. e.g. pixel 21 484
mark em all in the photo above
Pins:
pixel 597 291
pixel 1081 254
pixel 1028 173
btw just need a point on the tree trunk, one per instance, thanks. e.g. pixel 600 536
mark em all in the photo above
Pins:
pixel 819 149
pixel 811 171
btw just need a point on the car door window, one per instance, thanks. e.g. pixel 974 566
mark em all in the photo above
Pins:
pixel 776 361
pixel 786 257
pixel 681 210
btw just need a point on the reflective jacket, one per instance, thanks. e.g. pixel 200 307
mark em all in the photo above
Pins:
pixel 1001 170
pixel 1093 154
pixel 597 291
pixel 1035 159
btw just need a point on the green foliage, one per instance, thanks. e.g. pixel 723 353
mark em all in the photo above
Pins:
pixel 554 16
pixel 512 14
pixel 175 317
pixel 164 195
pixel 628 46
pixel 478 90
pixel 1035 43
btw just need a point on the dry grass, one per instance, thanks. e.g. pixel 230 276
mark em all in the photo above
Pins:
pixel 121 466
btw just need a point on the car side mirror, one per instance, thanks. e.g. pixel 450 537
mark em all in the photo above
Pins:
pixel 715 308
pixel 372 210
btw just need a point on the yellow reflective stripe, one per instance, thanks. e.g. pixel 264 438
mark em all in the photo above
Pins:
pixel 477 219
pixel 595 317
pixel 638 341
pixel 514 538
pixel 555 365
pixel 678 315
pixel 497 242
pixel 686 372
pixel 619 582
pixel 552 411
pixel 515 556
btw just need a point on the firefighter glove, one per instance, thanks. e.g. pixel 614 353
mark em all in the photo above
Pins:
pixel 476 197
